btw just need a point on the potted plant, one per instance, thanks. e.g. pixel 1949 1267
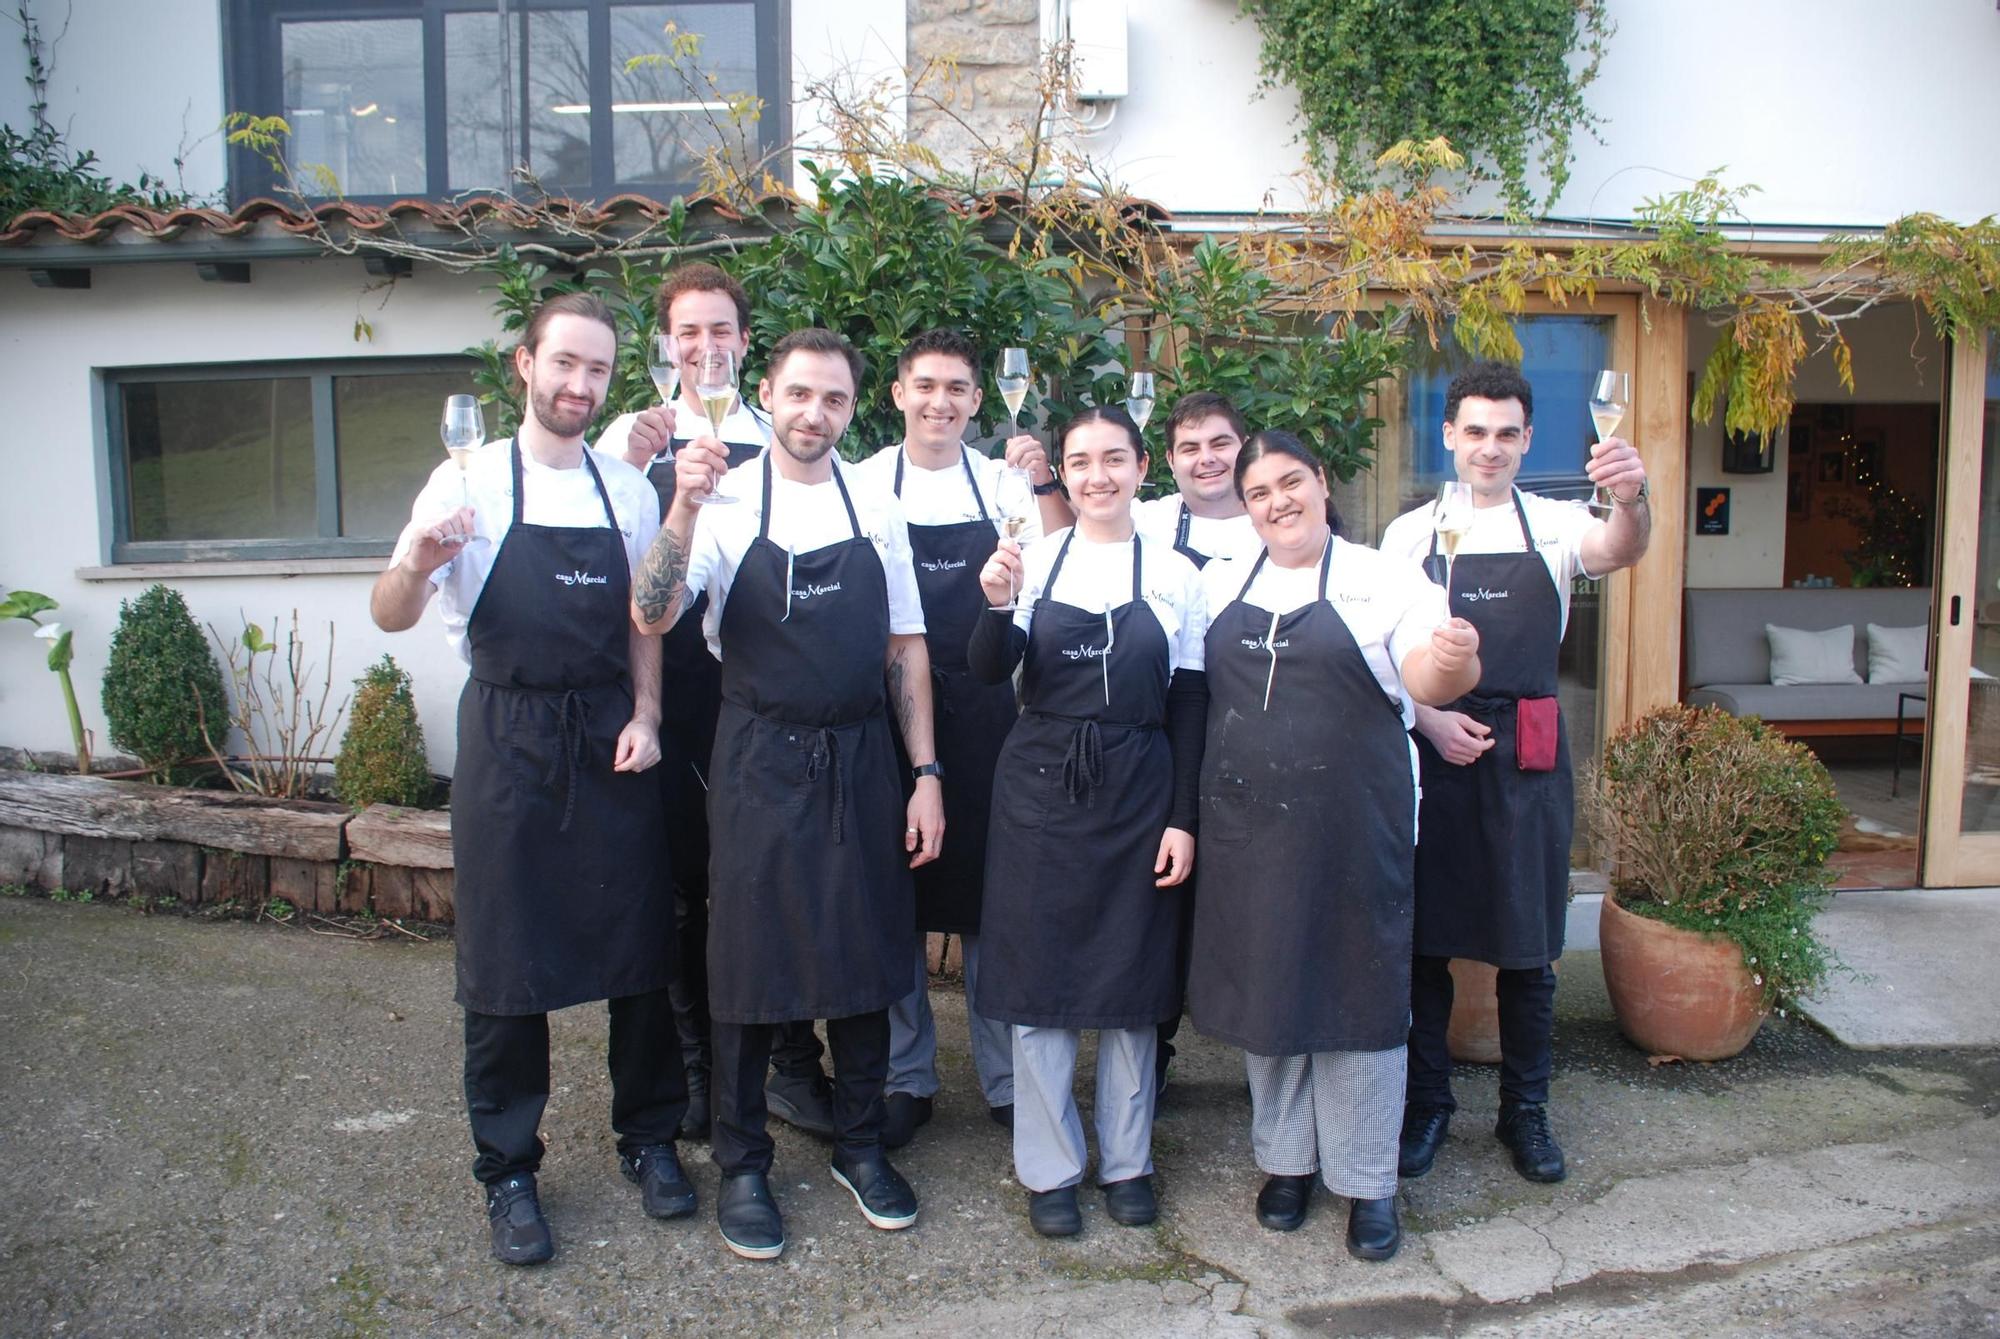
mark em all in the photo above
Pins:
pixel 1719 829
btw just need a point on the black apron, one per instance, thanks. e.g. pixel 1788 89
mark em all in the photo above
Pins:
pixel 562 893
pixel 1493 852
pixel 1075 934
pixel 971 718
pixel 1306 877
pixel 1182 525
pixel 691 694
pixel 810 903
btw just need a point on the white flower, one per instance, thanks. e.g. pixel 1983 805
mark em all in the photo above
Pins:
pixel 1757 980
pixel 48 632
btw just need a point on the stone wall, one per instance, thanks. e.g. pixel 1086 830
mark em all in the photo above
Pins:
pixel 997 44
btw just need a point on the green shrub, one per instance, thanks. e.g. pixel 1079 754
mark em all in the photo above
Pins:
pixel 1718 822
pixel 382 758
pixel 161 679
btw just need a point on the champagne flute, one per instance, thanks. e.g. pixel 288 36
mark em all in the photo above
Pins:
pixel 463 428
pixel 1139 398
pixel 665 370
pixel 1608 397
pixel 1452 519
pixel 1012 379
pixel 715 386
pixel 1014 499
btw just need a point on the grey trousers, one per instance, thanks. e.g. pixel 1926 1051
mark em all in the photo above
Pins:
pixel 1338 1113
pixel 1049 1151
pixel 913 1037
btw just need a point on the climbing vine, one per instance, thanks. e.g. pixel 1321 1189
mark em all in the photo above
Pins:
pixel 1498 78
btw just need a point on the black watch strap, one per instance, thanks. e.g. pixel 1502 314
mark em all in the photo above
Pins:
pixel 1043 490
pixel 935 769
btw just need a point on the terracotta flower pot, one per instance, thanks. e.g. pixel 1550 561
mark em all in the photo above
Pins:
pixel 1677 992
pixel 1473 1035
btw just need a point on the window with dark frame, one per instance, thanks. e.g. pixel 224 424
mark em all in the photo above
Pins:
pixel 433 98
pixel 297 460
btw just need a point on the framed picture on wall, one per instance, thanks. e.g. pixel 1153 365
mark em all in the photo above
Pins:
pixel 1833 467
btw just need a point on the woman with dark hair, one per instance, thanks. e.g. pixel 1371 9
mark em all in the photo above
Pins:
pixel 1315 653
pixel 1093 820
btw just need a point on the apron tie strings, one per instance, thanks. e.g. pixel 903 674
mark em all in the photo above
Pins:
pixel 572 739
pixel 825 757
pixel 1083 765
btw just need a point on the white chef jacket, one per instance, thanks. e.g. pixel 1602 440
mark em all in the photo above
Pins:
pixel 1096 577
pixel 552 498
pixel 1233 537
pixel 1558 526
pixel 941 497
pixel 805 517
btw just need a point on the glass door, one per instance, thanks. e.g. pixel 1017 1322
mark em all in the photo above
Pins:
pixel 1962 790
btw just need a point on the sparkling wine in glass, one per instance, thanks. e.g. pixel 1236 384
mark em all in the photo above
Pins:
pixel 1012 379
pixel 1015 500
pixel 1609 396
pixel 1452 519
pixel 665 370
pixel 715 386
pixel 1139 398
pixel 463 429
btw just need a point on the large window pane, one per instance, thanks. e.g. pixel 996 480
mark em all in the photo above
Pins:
pixel 386 428
pixel 664 112
pixel 1980 811
pixel 558 112
pixel 354 97
pixel 476 154
pixel 219 459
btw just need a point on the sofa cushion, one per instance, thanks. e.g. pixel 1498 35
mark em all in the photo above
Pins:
pixel 1800 656
pixel 1898 655
pixel 1811 702
pixel 1722 631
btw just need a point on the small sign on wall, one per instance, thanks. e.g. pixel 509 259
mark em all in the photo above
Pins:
pixel 1711 511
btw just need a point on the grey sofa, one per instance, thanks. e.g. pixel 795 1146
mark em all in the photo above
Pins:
pixel 1726 658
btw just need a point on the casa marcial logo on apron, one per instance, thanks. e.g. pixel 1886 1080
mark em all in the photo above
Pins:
pixel 1479 593
pixel 812 588
pixel 576 578
pixel 941 564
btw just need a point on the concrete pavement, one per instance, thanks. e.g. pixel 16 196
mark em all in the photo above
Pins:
pixel 231 1129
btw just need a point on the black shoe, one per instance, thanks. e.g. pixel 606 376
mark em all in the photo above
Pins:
pixel 1131 1202
pixel 748 1216
pixel 1373 1231
pixel 1423 1133
pixel 802 1101
pixel 520 1232
pixel 1281 1204
pixel 1002 1115
pixel 700 1115
pixel 1524 1129
pixel 1053 1213
pixel 885 1198
pixel 902 1114
pixel 663 1187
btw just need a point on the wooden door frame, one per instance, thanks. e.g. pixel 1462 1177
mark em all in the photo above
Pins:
pixel 1948 856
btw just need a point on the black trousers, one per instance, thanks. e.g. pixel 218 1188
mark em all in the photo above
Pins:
pixel 507 1082
pixel 742 1053
pixel 1527 998
pixel 1183 960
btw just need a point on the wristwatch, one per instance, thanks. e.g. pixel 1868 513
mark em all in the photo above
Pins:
pixel 1043 490
pixel 935 769
pixel 1645 491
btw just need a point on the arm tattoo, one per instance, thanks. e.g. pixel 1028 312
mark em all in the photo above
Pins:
pixel 900 700
pixel 662 578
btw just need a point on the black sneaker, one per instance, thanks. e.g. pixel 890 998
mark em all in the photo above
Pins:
pixel 1524 1128
pixel 1373 1229
pixel 902 1113
pixel 1054 1213
pixel 520 1232
pixel 802 1101
pixel 1131 1202
pixel 748 1217
pixel 1423 1133
pixel 663 1187
pixel 885 1198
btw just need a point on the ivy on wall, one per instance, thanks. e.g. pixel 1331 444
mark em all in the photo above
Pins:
pixel 1502 80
